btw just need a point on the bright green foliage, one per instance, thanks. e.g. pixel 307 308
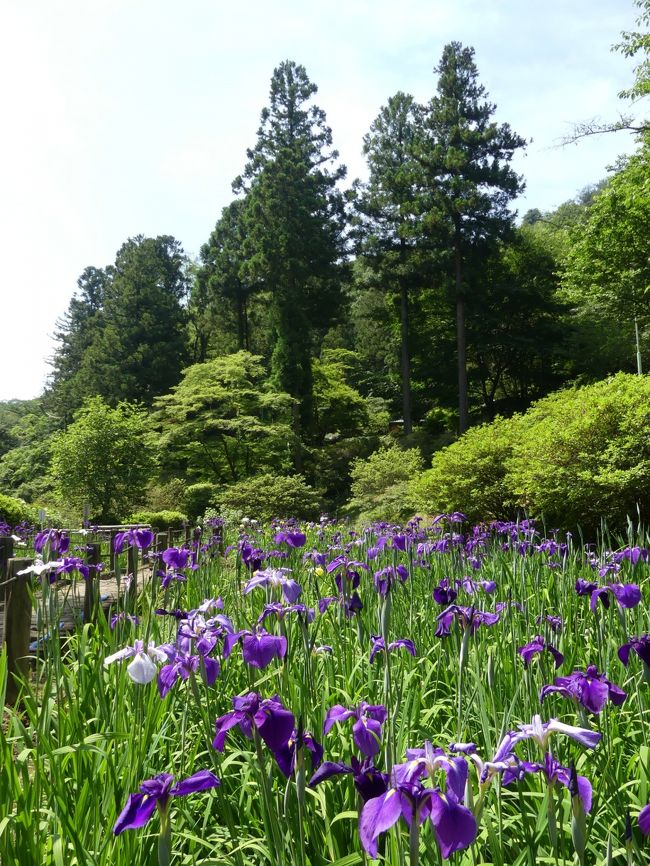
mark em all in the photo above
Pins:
pixel 584 455
pixel 607 273
pixel 380 484
pixel 160 519
pixel 221 424
pixel 11 412
pixel 293 224
pixel 24 469
pixel 348 425
pixel 339 407
pixel 469 475
pixel 103 459
pixel 266 496
pixel 14 511
pixel 635 42
pixel 576 457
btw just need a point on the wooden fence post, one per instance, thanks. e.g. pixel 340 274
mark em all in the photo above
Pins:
pixel 91 598
pixel 18 621
pixel 6 552
pixel 111 547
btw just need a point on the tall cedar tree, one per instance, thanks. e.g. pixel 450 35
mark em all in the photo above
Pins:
pixel 294 224
pixel 465 157
pixel 76 331
pixel 138 345
pixel 221 280
pixel 387 208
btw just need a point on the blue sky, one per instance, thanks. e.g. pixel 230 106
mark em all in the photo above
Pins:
pixel 125 117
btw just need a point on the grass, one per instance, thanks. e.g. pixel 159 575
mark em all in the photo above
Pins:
pixel 84 736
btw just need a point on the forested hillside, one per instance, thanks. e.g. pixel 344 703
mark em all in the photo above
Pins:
pixel 327 320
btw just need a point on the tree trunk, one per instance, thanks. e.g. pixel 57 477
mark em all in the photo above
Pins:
pixel 405 361
pixel 461 341
pixel 241 323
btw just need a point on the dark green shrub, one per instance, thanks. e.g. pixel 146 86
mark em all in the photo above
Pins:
pixel 199 497
pixel 266 496
pixel 160 519
pixel 380 484
pixel 14 511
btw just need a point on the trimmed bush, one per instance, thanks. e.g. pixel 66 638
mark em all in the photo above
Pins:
pixel 160 519
pixel 380 484
pixel 266 496
pixel 14 511
pixel 576 457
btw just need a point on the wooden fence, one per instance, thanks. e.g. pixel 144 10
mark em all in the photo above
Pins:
pixel 16 592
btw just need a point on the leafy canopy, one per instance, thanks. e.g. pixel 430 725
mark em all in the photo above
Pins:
pixel 104 459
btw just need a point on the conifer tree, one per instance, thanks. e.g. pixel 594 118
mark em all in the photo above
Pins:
pixel 294 223
pixel 466 158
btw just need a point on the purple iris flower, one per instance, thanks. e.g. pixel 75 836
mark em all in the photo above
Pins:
pixel 123 616
pixel 555 622
pixel 293 539
pixel 444 593
pixel 156 793
pixel 541 732
pixel 176 557
pixel 387 577
pixel 381 813
pixel 322 650
pixel 140 538
pixel 627 595
pixel 644 820
pixel 379 645
pixel 640 645
pixel 351 605
pixel 453 823
pixel 315 557
pixel 280 610
pixel 536 646
pixel 181 665
pixel 348 569
pixel 74 563
pixel 286 755
pixel 272 721
pixel 366 730
pixel 278 579
pixel 585 587
pixel 554 772
pixel 470 586
pixel 504 757
pixel 427 762
pixel 467 617
pixel 590 689
pixel 251 557
pixel 57 539
pixel 368 780
pixel 259 648
pixel 634 554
